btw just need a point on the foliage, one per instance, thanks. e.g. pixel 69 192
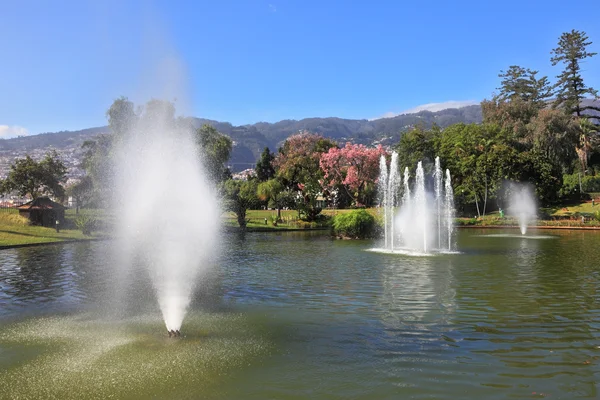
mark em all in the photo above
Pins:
pixel 99 166
pixel 81 192
pixel 87 224
pixel 354 168
pixel 571 185
pixel 121 116
pixel 571 90
pixel 240 196
pixel 264 166
pixel 298 159
pixel 297 167
pixel 357 224
pixel 513 116
pixel 554 134
pixel 521 83
pixel 416 145
pixel 33 178
pixel 216 149
pixel 276 195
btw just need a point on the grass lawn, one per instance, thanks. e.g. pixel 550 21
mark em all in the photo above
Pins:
pixel 15 230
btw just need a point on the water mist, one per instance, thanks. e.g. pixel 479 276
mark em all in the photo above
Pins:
pixel 522 205
pixel 167 207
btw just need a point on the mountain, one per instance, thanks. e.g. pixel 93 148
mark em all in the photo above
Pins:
pixel 249 140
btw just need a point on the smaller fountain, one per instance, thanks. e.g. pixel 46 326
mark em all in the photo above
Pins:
pixel 521 204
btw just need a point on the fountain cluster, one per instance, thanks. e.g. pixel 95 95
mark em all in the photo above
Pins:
pixel 416 219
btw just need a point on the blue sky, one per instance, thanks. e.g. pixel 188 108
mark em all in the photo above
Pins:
pixel 64 62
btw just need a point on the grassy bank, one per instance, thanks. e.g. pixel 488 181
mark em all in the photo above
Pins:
pixel 16 231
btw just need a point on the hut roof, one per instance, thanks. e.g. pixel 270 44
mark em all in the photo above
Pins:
pixel 41 203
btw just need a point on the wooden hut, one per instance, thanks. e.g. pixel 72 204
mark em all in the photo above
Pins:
pixel 43 211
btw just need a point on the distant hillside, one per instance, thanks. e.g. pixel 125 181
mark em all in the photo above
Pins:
pixel 250 140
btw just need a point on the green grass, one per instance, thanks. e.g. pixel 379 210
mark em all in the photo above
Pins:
pixel 16 230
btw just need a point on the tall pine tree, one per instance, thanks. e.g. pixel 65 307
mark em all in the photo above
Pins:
pixel 570 88
pixel 519 82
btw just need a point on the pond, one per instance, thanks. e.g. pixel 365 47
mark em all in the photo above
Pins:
pixel 298 315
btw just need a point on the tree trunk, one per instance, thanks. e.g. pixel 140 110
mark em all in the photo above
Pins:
pixel 241 217
pixel 477 204
pixel 485 196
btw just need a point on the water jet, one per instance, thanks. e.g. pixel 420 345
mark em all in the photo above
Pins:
pixel 522 205
pixel 418 221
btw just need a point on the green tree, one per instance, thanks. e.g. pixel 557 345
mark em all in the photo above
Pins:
pixel 264 167
pixel 570 87
pixel 587 137
pixel 33 178
pixel 297 167
pixel 82 192
pixel 98 164
pixel 122 117
pixel 216 149
pixel 554 137
pixel 416 145
pixel 519 82
pixel 240 196
pixel 275 193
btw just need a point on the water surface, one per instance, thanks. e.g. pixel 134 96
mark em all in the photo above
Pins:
pixel 297 315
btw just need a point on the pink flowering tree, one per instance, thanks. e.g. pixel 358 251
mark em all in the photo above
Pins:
pixel 355 169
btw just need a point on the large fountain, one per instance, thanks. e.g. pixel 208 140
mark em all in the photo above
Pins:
pixel 416 219
pixel 168 209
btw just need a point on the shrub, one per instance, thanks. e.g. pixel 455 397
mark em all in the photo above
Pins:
pixel 86 224
pixel 357 224
pixel 13 218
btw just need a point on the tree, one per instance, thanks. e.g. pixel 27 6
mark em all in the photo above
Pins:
pixel 479 158
pixel 275 193
pixel 297 167
pixel 239 197
pixel 33 178
pixel 555 136
pixel 121 116
pixel 587 135
pixel 416 145
pixel 571 89
pixel 522 83
pixel 216 149
pixel 81 191
pixel 512 116
pixel 298 159
pixel 264 167
pixel 355 168
pixel 99 166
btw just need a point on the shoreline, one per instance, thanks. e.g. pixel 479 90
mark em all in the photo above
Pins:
pixel 15 246
pixel 575 228
pixel 274 230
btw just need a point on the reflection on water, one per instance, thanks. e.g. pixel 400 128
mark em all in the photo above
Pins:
pixel 507 317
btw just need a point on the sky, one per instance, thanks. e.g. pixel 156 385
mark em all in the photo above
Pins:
pixel 63 63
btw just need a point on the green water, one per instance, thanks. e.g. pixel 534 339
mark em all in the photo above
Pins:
pixel 296 315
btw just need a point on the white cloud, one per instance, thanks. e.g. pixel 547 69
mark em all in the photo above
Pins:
pixel 433 107
pixel 272 8
pixel 7 132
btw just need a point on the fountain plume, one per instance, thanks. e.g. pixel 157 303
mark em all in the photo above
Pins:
pixel 424 221
pixel 168 210
pixel 522 205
